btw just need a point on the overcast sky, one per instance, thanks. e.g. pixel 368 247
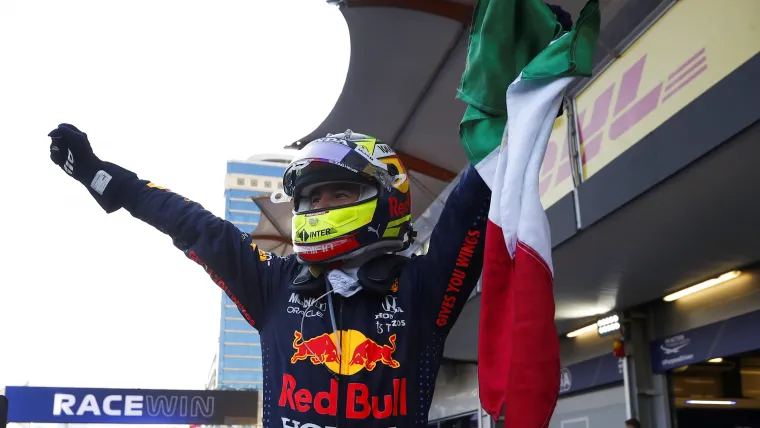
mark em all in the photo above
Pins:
pixel 170 89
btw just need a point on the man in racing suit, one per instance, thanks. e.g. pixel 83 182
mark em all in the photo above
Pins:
pixel 364 346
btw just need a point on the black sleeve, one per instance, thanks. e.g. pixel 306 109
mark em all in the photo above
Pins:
pixel 247 274
pixel 452 266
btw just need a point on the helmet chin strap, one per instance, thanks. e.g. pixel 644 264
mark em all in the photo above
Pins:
pixel 357 261
pixel 351 262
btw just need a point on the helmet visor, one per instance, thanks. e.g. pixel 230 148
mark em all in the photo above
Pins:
pixel 328 151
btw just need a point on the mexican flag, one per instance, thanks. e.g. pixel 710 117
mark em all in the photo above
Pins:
pixel 521 59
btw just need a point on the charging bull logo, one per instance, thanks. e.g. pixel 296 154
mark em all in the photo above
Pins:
pixel 358 352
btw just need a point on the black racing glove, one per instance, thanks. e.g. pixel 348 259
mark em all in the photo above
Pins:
pixel 563 17
pixel 71 150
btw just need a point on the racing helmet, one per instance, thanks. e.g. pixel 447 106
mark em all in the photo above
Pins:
pixel 379 221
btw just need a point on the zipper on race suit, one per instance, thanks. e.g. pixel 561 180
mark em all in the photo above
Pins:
pixel 341 380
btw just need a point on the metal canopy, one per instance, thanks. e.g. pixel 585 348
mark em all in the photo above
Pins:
pixel 274 228
pixel 407 58
pixel 700 223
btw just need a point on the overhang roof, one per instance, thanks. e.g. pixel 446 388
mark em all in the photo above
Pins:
pixel 407 57
pixel 274 228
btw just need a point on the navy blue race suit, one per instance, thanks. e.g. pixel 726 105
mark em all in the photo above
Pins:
pixel 391 345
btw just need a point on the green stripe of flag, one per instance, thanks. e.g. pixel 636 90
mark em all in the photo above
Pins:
pixel 508 37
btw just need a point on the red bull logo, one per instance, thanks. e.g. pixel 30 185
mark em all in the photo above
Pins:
pixel 318 350
pixel 369 353
pixel 359 351
pixel 360 404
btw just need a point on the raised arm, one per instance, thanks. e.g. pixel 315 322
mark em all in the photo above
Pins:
pixel 452 266
pixel 231 259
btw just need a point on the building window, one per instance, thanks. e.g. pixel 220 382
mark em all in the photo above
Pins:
pixel 254 182
pixel 268 184
pixel 241 181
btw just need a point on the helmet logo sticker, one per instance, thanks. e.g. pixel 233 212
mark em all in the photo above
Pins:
pixel 333 140
pixel 363 152
pixel 368 144
pixel 373 230
pixel 305 236
pixel 399 208
pixel 313 221
pixel 383 150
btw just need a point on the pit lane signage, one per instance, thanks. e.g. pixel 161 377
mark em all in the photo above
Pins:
pixel 591 373
pixel 721 339
pixel 131 406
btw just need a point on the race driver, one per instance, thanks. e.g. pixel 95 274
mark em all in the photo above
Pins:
pixel 352 334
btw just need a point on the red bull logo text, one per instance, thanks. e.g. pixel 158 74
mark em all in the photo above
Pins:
pixel 359 403
pixel 359 351
pixel 399 208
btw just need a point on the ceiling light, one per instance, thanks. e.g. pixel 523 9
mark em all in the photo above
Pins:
pixel 712 402
pixel 715 360
pixel 587 329
pixel 608 329
pixel 608 325
pixel 702 286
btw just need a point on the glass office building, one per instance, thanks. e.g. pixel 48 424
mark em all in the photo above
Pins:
pixel 238 363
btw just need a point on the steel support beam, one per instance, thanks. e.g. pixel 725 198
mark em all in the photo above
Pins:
pixel 424 167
